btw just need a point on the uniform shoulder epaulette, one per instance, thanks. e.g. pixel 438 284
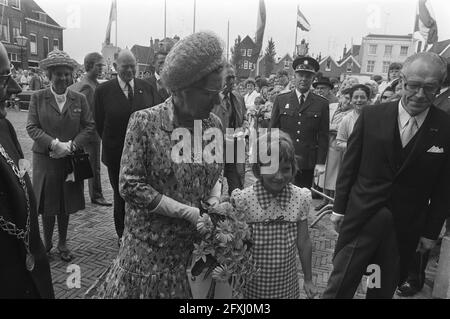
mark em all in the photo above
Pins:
pixel 319 96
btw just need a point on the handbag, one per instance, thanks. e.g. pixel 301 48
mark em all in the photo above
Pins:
pixel 80 165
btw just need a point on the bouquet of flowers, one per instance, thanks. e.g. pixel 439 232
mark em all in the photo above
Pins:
pixel 224 248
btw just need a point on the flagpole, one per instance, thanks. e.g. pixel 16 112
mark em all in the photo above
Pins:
pixel 165 17
pixel 228 41
pixel 195 5
pixel 117 44
pixel 296 31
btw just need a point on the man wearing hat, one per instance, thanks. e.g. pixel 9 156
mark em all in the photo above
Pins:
pixel 323 87
pixel 114 102
pixel 305 116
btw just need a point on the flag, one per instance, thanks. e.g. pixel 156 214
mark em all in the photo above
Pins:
pixel 260 26
pixel 112 17
pixel 425 23
pixel 302 22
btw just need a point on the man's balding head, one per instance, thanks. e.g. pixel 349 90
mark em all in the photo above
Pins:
pixel 422 61
pixel 126 65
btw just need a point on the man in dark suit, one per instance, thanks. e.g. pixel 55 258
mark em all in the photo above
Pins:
pixel 231 112
pixel 305 117
pixel 24 267
pixel 161 93
pixel 392 191
pixel 93 64
pixel 114 102
pixel 418 264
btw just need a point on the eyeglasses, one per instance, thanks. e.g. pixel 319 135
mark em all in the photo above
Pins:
pixel 4 79
pixel 413 86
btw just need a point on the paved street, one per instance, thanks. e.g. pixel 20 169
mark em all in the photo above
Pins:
pixel 93 241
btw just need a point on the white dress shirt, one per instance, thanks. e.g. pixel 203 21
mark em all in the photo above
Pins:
pixel 402 119
pixel 60 98
pixel 123 85
pixel 299 94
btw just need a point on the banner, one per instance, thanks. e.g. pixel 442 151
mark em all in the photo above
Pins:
pixel 112 17
pixel 425 23
pixel 260 26
pixel 302 22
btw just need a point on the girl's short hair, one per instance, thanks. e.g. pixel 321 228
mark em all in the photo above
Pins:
pixel 361 87
pixel 286 151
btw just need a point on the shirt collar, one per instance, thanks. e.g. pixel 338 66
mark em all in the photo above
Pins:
pixel 157 76
pixel 59 96
pixel 299 94
pixel 403 116
pixel 265 198
pixel 123 84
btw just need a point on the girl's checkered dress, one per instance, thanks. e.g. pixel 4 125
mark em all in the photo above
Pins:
pixel 274 232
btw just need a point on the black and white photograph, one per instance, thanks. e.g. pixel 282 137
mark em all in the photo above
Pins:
pixel 238 150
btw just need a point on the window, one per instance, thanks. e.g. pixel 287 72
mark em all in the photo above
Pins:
pixel 33 43
pixel 370 66
pixel 45 46
pixel 245 65
pixel 13 57
pixel 43 17
pixel 388 50
pixel 249 52
pixel 4 32
pixel 349 66
pixel 243 51
pixel 55 44
pixel 14 3
pixel 373 49
pixel 386 66
pixel 287 64
pixel 404 50
pixel 328 66
pixel 16 33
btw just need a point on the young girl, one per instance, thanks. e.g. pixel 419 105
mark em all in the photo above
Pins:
pixel 277 213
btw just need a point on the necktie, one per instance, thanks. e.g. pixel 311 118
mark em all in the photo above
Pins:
pixel 302 99
pixel 130 93
pixel 409 131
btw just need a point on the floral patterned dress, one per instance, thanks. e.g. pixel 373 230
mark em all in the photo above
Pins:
pixel 156 249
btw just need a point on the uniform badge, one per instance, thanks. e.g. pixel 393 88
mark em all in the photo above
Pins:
pixel 286 106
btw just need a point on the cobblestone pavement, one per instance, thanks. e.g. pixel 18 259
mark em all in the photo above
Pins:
pixel 93 240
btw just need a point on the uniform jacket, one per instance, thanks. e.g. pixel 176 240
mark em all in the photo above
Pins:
pixel 46 122
pixel 372 178
pixel 112 112
pixel 308 125
pixel 15 280
pixel 161 94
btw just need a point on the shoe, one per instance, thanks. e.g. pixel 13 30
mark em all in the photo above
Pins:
pixel 65 255
pixel 407 290
pixel 101 202
pixel 320 206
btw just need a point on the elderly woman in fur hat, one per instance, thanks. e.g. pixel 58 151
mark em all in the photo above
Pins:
pixel 59 122
pixel 160 182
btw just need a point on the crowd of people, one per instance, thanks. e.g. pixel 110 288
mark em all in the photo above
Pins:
pixel 379 149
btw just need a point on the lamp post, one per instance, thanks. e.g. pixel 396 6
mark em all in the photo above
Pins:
pixel 22 43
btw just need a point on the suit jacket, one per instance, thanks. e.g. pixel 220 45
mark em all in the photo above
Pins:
pixel 308 126
pixel 443 101
pixel 239 110
pixel 371 177
pixel 46 122
pixel 35 83
pixel 15 280
pixel 161 94
pixel 87 88
pixel 112 112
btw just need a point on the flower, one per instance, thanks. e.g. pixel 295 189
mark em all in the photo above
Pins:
pixel 221 273
pixel 204 224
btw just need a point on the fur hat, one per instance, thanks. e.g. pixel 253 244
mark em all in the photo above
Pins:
pixel 191 59
pixel 58 58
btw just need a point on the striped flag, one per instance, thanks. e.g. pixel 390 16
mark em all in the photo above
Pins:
pixel 425 23
pixel 260 26
pixel 302 22
pixel 112 17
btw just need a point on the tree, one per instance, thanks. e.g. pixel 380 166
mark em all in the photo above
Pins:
pixel 235 54
pixel 269 58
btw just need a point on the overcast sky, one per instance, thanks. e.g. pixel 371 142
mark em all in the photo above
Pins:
pixel 334 23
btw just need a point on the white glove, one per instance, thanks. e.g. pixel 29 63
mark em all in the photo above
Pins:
pixel 172 208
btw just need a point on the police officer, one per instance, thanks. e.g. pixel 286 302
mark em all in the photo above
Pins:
pixel 305 117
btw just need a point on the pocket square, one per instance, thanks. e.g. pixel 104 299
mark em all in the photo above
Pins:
pixel 435 149
pixel 286 106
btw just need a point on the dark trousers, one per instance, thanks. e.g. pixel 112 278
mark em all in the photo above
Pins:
pixel 234 179
pixel 119 203
pixel 95 184
pixel 375 244
pixel 304 178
